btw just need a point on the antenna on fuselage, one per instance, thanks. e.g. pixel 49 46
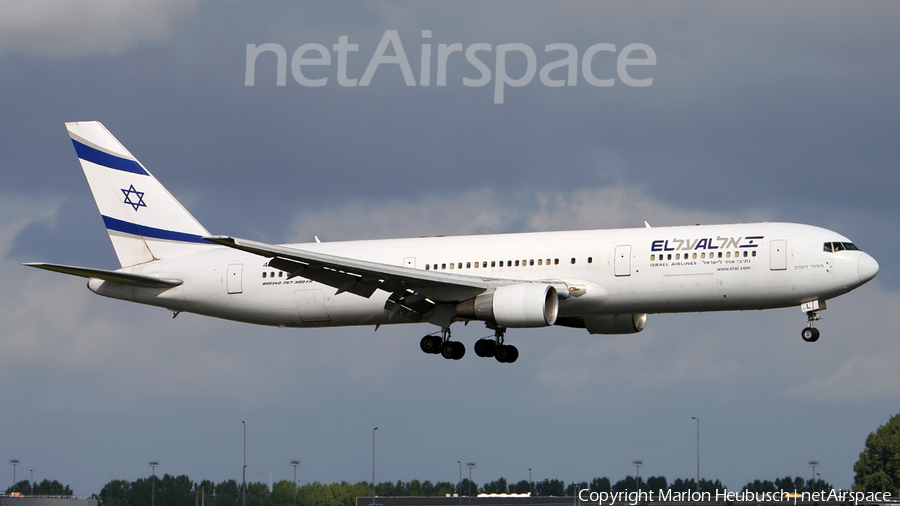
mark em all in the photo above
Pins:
pixel 647 224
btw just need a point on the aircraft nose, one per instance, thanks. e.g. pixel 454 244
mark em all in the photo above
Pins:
pixel 868 268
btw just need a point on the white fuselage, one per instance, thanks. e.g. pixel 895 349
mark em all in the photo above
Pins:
pixel 622 271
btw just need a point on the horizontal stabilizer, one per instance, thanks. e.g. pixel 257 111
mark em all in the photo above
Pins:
pixel 117 276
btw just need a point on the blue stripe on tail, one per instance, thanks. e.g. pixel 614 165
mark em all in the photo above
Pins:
pixel 151 232
pixel 107 160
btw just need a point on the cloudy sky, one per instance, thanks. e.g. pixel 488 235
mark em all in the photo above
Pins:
pixel 756 111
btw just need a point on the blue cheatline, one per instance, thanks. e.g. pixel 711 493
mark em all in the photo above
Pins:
pixel 94 155
pixel 152 232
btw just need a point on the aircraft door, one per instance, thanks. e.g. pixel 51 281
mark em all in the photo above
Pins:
pixel 623 260
pixel 233 281
pixel 778 256
pixel 311 306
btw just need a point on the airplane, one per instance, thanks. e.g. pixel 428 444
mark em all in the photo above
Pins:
pixel 603 281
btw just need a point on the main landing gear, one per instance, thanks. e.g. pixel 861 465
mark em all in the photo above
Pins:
pixel 440 343
pixel 494 347
pixel 435 344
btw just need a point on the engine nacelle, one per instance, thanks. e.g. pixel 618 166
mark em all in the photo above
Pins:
pixel 514 306
pixel 615 324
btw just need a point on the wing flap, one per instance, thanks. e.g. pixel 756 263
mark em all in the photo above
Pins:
pixel 361 277
pixel 107 275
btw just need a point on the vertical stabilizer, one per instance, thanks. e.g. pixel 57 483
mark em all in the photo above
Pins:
pixel 143 219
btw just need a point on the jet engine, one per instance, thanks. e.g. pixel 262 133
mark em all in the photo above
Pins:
pixel 608 323
pixel 514 306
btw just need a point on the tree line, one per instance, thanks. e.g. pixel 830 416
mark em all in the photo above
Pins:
pixel 182 491
pixel 877 469
pixel 45 487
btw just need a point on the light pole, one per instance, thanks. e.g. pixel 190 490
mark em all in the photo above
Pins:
pixel 244 479
pixel 459 483
pixel 153 465
pixel 14 463
pixel 32 481
pixel 470 465
pixel 637 473
pixel 698 451
pixel 530 483
pixel 373 464
pixel 813 464
pixel 295 463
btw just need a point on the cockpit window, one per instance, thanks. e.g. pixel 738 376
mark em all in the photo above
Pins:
pixel 832 247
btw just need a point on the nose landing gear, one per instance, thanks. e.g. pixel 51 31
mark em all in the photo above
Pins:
pixel 811 334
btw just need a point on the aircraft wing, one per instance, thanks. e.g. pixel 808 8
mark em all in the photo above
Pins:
pixel 363 277
pixel 117 276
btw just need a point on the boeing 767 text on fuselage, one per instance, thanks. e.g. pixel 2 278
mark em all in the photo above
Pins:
pixel 605 281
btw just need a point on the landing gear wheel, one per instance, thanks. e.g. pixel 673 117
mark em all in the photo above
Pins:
pixel 810 334
pixel 513 355
pixel 485 347
pixel 506 354
pixel 453 350
pixel 430 344
pixel 448 349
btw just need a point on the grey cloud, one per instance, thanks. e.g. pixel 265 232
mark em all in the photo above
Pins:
pixel 60 28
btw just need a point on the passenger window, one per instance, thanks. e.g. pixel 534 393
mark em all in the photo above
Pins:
pixel 703 255
pixel 753 254
pixel 828 247
pixel 573 261
pixel 720 254
pixel 280 274
pixel 745 253
pixel 548 261
pixel 531 262
pixel 694 256
pixel 517 263
pixel 468 265
pixel 427 267
pixel 669 256
pixel 540 261
pixel 272 274
pixel 493 263
pixel 652 257
pixel 443 266
pixel 264 275
pixel 590 260
pixel 555 261
pixel 677 256
pixel 727 254
pixel 509 263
